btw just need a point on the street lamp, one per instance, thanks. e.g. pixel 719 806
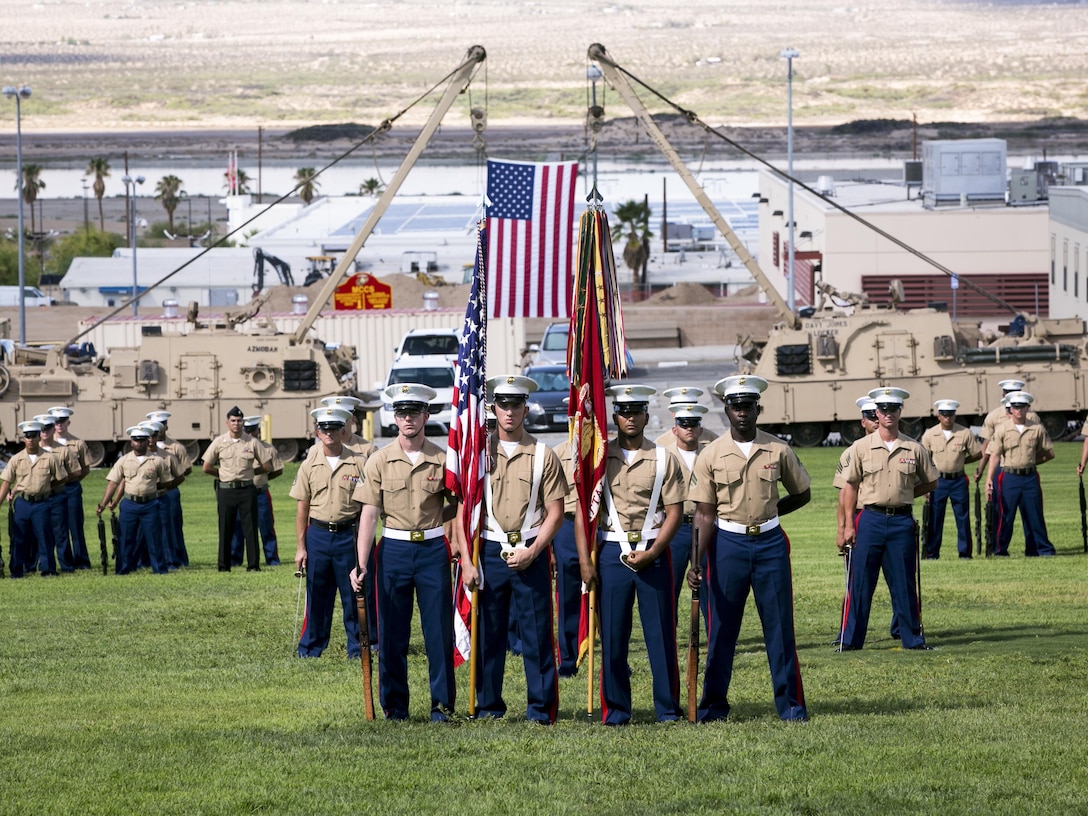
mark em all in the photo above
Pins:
pixel 86 218
pixel 789 55
pixel 596 114
pixel 130 190
pixel 19 94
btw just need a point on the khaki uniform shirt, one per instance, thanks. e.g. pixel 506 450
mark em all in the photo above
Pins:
pixel 888 478
pixel 839 482
pixel 68 457
pixel 631 485
pixel 141 478
pixel 950 455
pixel 1020 450
pixel 83 453
pixel 996 417
pixel 236 457
pixel 512 479
pixel 745 490
pixel 260 480
pixel 172 464
pixel 409 497
pixel 179 451
pixel 668 442
pixel 328 491
pixel 566 461
pixel 33 479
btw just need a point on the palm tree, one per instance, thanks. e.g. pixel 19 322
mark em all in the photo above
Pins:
pixel 31 184
pixel 371 187
pixel 243 181
pixel 166 192
pixel 307 183
pixel 100 169
pixel 633 226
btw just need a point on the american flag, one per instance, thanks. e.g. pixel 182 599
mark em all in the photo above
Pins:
pixel 466 466
pixel 530 223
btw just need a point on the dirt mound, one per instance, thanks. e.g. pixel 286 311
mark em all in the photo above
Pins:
pixel 681 294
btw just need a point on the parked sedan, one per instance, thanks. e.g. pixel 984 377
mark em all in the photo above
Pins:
pixel 547 412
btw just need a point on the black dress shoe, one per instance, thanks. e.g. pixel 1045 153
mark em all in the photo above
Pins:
pixel 965 555
pixel 921 647
pixel 846 647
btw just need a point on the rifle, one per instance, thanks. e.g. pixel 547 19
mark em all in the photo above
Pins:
pixel 1083 516
pixel 927 523
pixel 693 636
pixel 978 519
pixel 11 537
pixel 364 655
pixel 115 536
pixel 2 560
pixel 102 545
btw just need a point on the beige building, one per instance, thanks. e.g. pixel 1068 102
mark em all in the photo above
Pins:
pixel 1002 249
pixel 1067 248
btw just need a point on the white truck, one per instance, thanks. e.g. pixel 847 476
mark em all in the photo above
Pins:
pixel 9 296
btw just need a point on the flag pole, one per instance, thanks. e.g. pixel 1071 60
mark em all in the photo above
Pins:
pixel 474 630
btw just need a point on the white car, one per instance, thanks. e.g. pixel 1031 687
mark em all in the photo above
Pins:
pixel 433 370
pixel 429 343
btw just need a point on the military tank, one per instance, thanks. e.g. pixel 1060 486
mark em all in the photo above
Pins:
pixel 196 376
pixel 821 362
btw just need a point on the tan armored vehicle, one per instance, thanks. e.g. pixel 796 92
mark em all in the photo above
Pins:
pixel 823 362
pixel 196 376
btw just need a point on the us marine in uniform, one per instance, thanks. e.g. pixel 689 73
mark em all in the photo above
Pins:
pixel 58 505
pixel 266 519
pixel 325 523
pixel 171 506
pixel 404 487
pixel 641 509
pixel 886 473
pixel 737 507
pixel 952 446
pixel 30 478
pixel 73 490
pixel 523 509
pixel 1020 446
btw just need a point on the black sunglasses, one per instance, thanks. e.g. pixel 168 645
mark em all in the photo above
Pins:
pixel 329 427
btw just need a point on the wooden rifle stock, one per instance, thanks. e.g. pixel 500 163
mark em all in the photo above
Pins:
pixel 364 655
pixel 693 635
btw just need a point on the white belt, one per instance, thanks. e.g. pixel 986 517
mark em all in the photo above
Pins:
pixel 634 538
pixel 511 541
pixel 413 535
pixel 747 529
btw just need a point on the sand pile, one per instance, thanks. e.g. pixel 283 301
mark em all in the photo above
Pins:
pixel 681 294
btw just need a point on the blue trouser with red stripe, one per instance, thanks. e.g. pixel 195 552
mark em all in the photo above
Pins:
pixel 954 491
pixel 422 569
pixel 884 542
pixel 1023 493
pixel 527 596
pixel 657 611
pixel 760 564
pixel 330 558
pixel 266 527
pixel 568 597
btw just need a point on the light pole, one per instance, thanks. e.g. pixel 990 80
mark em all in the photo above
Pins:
pixel 789 55
pixel 86 219
pixel 130 189
pixel 593 73
pixel 19 94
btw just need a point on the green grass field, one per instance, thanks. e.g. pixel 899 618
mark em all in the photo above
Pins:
pixel 181 694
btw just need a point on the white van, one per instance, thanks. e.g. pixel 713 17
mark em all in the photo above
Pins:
pixel 9 296
pixel 433 370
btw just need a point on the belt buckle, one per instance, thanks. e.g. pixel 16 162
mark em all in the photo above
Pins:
pixel 634 538
pixel 514 537
pixel 751 529
pixel 416 536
